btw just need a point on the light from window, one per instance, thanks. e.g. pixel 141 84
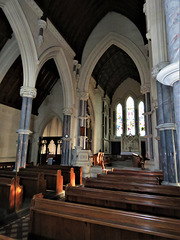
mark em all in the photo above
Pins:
pixel 119 123
pixel 141 119
pixel 130 116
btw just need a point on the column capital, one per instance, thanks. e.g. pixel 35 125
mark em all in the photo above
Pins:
pixel 28 92
pixel 83 96
pixel 42 23
pixel 75 62
pixel 67 111
pixel 145 88
pixel 169 75
pixel 157 68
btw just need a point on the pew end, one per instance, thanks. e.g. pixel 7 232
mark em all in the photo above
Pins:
pixel 59 182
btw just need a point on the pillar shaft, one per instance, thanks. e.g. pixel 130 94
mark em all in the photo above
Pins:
pixel 27 93
pixel 26 135
pixel 66 140
pixel 20 134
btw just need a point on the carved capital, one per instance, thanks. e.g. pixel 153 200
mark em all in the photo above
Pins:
pixel 157 68
pixel 28 92
pixel 155 104
pixel 83 96
pixel 145 88
pixel 42 23
pixel 67 111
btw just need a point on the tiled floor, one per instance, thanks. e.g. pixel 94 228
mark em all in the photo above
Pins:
pixel 17 229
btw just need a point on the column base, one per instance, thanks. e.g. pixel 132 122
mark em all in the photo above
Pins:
pixel 170 184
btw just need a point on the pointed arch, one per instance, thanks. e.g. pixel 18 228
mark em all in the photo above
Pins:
pixel 23 34
pixel 64 72
pixel 122 42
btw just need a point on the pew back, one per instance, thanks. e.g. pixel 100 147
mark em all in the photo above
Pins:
pixel 51 219
pixel 32 182
pixel 136 202
pixel 133 187
pixel 11 194
pixel 123 178
pixel 64 170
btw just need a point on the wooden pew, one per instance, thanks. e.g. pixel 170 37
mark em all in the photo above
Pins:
pixel 133 187
pixel 32 182
pixel 53 178
pixel 11 194
pixel 68 174
pixel 139 173
pixel 65 172
pixel 142 203
pixel 7 165
pixel 5 238
pixel 56 220
pixel 121 178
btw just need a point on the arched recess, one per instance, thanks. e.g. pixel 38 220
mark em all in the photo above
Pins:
pixel 45 121
pixel 22 32
pixel 122 42
pixel 65 75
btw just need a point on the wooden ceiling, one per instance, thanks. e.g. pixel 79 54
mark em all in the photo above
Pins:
pixel 113 68
pixel 75 20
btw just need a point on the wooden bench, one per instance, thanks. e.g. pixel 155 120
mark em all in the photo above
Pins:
pixel 56 220
pixel 7 165
pixel 68 175
pixel 5 238
pixel 72 175
pixel 53 178
pixel 121 178
pixel 139 173
pixel 32 182
pixel 133 187
pixel 136 202
pixel 11 194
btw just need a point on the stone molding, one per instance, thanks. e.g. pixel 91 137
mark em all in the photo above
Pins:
pixel 67 111
pixel 58 36
pixel 83 96
pixel 23 131
pixel 28 92
pixel 170 74
pixel 145 88
pixel 157 68
pixel 35 7
pixel 166 126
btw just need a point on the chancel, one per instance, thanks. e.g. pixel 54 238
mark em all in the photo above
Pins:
pixel 90 119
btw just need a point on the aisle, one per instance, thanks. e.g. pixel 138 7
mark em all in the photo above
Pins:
pixel 17 229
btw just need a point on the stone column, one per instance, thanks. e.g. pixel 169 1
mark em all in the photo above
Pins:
pixel 169 76
pixel 103 123
pixel 27 93
pixel 148 123
pixel 66 148
pixel 82 119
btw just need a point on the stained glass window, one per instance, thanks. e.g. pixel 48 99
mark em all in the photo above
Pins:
pixel 141 119
pixel 130 121
pixel 119 123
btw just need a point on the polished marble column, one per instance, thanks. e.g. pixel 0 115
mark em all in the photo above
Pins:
pixel 27 94
pixel 66 137
pixel 169 76
pixel 82 119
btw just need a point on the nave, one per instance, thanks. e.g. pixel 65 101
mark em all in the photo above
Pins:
pixel 133 198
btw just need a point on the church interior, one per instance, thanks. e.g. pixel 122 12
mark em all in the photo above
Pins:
pixel 89 119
